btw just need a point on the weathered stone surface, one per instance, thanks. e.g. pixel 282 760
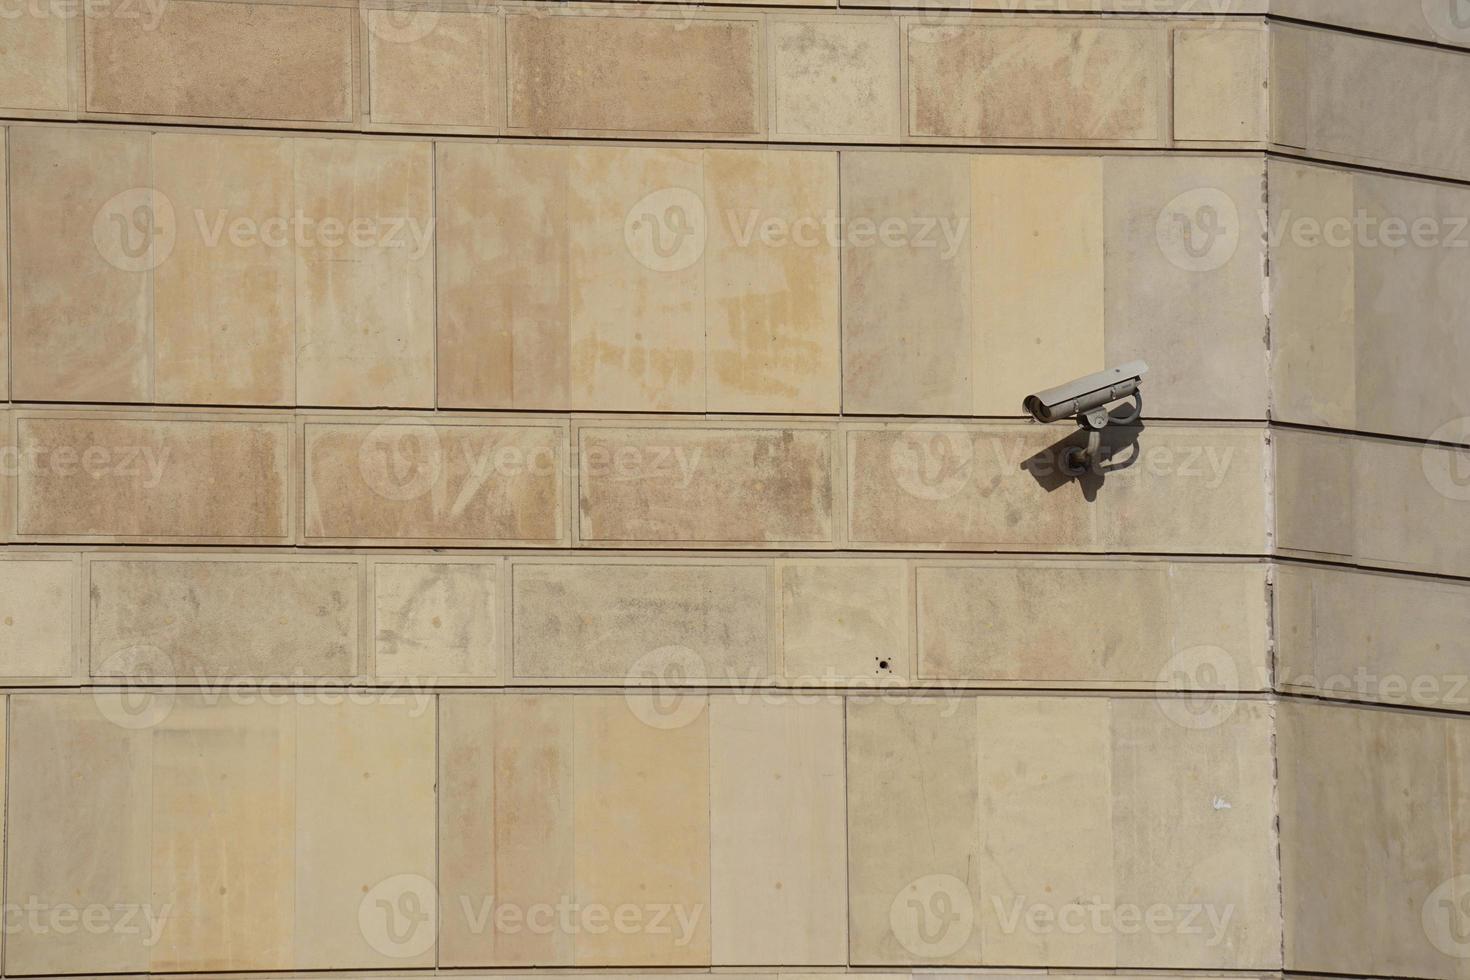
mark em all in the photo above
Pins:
pixel 255 61
pixel 1220 84
pixel 437 622
pixel 834 78
pixel 439 68
pixel 35 70
pixel 725 486
pixel 1429 21
pixel 38 616
pixel 204 618
pixel 162 479
pixel 4 283
pixel 844 620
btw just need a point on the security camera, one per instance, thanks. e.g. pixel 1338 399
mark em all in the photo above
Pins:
pixel 1087 400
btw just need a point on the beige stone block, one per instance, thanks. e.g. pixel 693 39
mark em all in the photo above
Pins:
pixel 35 70
pixel 772 282
pixel 1185 284
pixel 8 476
pixel 1066 82
pixel 619 620
pixel 1411 505
pixel 1313 307
pixel 4 279
pixel 203 618
pixel 505 818
pixel 646 73
pixel 1401 20
pixel 1290 86
pixel 38 616
pixel 1118 623
pixel 1314 499
pixel 906 309
pixel 410 480
pixel 719 485
pixel 168 479
pixel 438 68
pixel 1037 276
pixel 365 281
pixel 834 78
pixel 504 275
pixel 365 833
pixel 85 231
pixel 251 61
pixel 637 278
pixel 844 620
pixel 1194 827
pixel 778 842
pixel 1220 84
pixel 642 828
pixel 436 621
pixel 223 304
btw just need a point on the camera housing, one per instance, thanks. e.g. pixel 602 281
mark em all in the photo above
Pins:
pixel 1087 400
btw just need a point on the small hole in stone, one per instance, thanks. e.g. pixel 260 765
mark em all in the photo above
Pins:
pixel 882 665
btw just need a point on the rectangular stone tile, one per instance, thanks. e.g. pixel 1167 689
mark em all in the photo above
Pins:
pixel 437 69
pixel 1118 623
pixel 617 620
pixel 8 476
pixel 778 842
pixel 203 618
pixel 1220 83
pixel 250 61
pixel 38 616
pixel 437 621
pixel 85 231
pixel 1371 637
pixel 1194 830
pixel 844 620
pixel 365 833
pixel 1314 499
pixel 1185 283
pixel 168 479
pixel 223 305
pixel 642 826
pixel 772 290
pixel 416 481
pixel 505 818
pixel 1037 276
pixel 365 279
pixel 1064 82
pixel 4 276
pixel 1411 503
pixel 680 74
pixel 504 275
pixel 834 78
pixel 36 73
pixel 733 485
pixel 906 309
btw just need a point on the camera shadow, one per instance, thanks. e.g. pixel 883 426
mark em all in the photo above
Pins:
pixel 1061 463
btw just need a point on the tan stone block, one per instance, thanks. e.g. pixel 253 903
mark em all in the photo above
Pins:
pixel 844 620
pixel 1064 624
pixel 906 311
pixel 642 828
pixel 8 475
pixel 203 618
pixel 1411 506
pixel 85 230
pixel 720 485
pixel 619 620
pixel 35 72
pixel 38 616
pixel 365 833
pixel 365 283
pixel 253 61
pixel 1313 483
pixel 834 78
pixel 1401 20
pixel 505 827
pixel 679 73
pixel 223 304
pixel 1185 286
pixel 169 479
pixel 1313 307
pixel 1194 827
pixel 1066 82
pixel 772 282
pixel 436 621
pixel 504 268
pixel 913 830
pixel 778 842
pixel 1037 276
pixel 636 278
pixel 4 281
pixel 410 480
pixel 1220 84
pixel 437 69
